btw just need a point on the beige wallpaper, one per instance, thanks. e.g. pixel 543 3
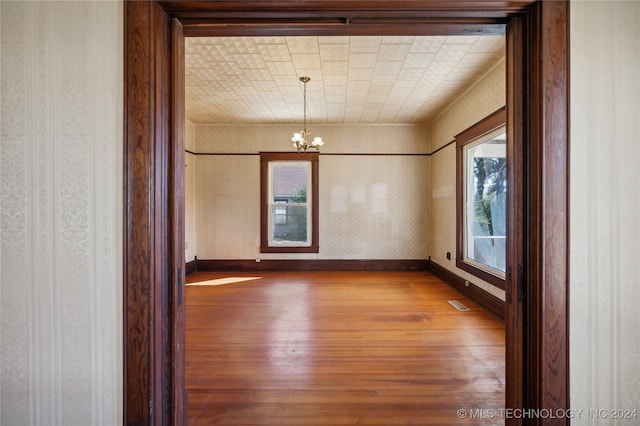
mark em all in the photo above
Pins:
pixel 374 207
pixel 604 205
pixel 61 201
pixel 228 207
pixel 485 97
pixel 190 161
pixel 371 207
pixel 338 138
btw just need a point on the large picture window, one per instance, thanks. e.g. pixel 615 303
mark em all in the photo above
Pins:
pixel 289 206
pixel 482 199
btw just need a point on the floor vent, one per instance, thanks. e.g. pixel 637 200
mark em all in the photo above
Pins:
pixel 459 306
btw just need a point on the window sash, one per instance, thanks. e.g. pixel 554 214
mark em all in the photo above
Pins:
pixel 279 229
pixel 477 238
pixel 486 232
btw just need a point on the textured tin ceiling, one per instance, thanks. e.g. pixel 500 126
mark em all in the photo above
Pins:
pixel 361 79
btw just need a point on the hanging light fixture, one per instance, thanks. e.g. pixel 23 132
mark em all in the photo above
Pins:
pixel 300 139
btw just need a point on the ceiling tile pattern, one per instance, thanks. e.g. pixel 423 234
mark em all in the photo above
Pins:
pixel 363 79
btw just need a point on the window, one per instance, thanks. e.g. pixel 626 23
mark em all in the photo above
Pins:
pixel 289 202
pixel 482 199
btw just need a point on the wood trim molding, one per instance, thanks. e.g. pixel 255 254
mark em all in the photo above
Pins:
pixel 516 141
pixel 191 267
pixel 487 301
pixel 278 265
pixel 148 347
pixel 546 295
pixel 365 154
pixel 176 173
pixel 486 125
pixel 145 251
pixel 332 8
pixel 265 158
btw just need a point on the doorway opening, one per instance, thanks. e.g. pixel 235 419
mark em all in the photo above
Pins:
pixel 238 90
pixel 154 253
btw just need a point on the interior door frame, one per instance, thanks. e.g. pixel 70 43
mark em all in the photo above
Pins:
pixel 537 349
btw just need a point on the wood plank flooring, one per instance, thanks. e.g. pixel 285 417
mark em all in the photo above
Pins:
pixel 333 348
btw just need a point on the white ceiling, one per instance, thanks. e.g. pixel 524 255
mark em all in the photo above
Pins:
pixel 361 79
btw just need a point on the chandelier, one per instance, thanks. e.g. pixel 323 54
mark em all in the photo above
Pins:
pixel 300 139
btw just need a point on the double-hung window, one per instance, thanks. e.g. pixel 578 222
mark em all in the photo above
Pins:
pixel 289 202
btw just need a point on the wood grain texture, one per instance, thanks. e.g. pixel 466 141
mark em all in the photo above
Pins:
pixel 514 326
pixel 177 206
pixel 148 316
pixel 545 306
pixel 138 247
pixel 334 18
pixel 550 202
pixel 338 349
pixel 160 285
pixel 326 9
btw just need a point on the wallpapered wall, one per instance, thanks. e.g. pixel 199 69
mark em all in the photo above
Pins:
pixel 61 191
pixel 604 206
pixel 485 97
pixel 190 191
pixel 371 207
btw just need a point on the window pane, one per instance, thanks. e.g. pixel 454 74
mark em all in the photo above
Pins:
pixel 290 184
pixel 486 196
pixel 280 214
pixel 290 224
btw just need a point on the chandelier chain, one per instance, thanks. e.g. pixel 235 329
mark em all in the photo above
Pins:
pixel 299 140
pixel 305 102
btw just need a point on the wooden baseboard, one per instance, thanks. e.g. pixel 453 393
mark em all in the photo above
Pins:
pixel 487 301
pixel 266 265
pixel 191 267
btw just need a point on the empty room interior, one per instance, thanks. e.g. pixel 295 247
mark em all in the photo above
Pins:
pixel 356 279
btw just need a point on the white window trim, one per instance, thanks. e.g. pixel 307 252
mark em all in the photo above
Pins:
pixel 271 205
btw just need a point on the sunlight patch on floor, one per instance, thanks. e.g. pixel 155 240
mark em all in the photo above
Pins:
pixel 223 281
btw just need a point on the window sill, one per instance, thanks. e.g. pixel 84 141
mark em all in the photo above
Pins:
pixel 274 249
pixel 483 275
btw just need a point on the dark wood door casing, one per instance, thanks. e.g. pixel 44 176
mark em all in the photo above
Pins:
pixel 537 327
pixel 153 218
pixel 547 220
pixel 143 344
pixel 514 328
pixel 176 191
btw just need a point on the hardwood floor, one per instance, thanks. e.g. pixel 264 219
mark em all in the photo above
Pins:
pixel 333 348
